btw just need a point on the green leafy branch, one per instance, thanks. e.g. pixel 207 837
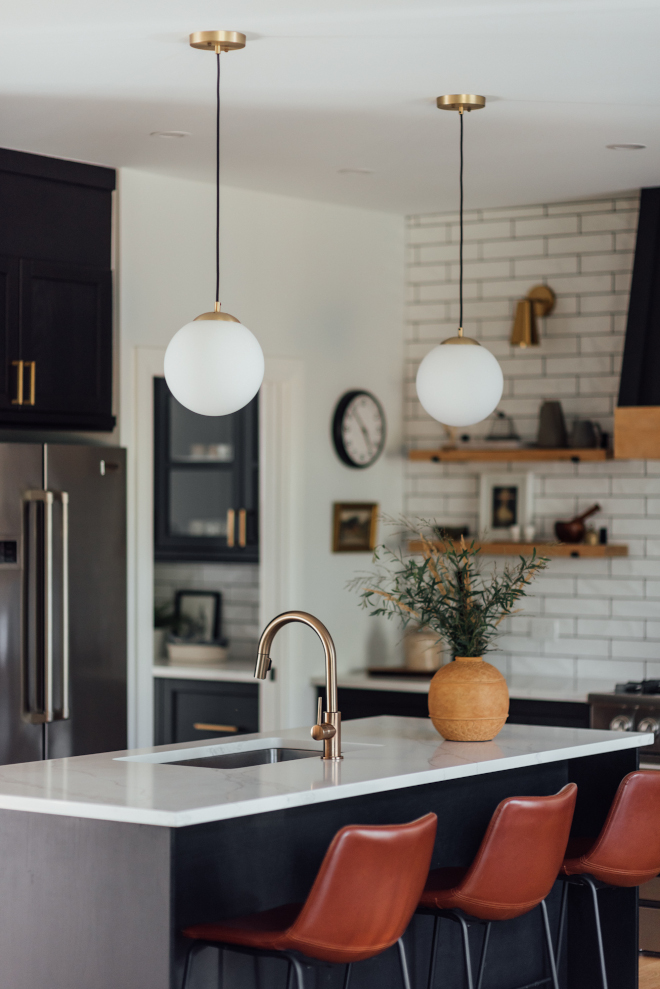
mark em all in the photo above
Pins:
pixel 445 590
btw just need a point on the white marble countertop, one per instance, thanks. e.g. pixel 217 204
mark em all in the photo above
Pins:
pixel 233 670
pixel 380 754
pixel 524 687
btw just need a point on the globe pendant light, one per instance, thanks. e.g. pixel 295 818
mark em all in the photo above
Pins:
pixel 460 382
pixel 214 366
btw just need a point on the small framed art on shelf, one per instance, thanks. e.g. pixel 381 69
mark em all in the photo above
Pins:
pixel 505 500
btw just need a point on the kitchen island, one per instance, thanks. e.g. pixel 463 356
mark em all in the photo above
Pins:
pixel 106 857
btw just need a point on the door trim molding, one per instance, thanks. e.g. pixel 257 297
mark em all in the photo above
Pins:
pixel 280 495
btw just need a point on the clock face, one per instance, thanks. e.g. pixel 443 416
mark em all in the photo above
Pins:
pixel 358 429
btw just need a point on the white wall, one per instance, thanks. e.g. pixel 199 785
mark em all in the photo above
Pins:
pixel 313 281
pixel 606 612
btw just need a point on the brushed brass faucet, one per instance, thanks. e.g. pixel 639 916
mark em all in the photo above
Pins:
pixel 328 726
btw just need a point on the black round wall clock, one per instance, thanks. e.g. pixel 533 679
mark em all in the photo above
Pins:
pixel 358 429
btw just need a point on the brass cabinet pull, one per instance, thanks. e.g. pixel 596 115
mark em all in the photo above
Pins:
pixel 231 523
pixel 33 380
pixel 202 726
pixel 242 528
pixel 19 383
pixel 21 367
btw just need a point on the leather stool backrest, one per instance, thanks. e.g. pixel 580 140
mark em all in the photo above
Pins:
pixel 627 851
pixel 520 855
pixel 366 891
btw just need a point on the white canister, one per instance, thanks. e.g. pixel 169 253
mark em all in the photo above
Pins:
pixel 422 651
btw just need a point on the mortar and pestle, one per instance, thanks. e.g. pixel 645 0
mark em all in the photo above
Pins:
pixel 573 530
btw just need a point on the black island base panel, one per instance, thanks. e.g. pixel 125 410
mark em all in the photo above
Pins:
pixel 91 904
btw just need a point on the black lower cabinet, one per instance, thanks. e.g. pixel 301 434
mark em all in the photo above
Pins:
pixel 356 703
pixel 194 710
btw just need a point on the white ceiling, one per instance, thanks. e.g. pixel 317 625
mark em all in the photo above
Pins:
pixel 331 84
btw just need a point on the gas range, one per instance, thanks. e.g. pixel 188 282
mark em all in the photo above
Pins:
pixel 633 706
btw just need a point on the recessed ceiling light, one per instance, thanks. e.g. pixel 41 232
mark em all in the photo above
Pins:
pixel 355 171
pixel 625 147
pixel 170 133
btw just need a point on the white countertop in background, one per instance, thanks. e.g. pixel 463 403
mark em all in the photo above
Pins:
pixel 524 687
pixel 233 670
pixel 380 754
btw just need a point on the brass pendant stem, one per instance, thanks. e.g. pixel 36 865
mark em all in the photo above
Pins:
pixel 217 41
pixel 217 183
pixel 460 102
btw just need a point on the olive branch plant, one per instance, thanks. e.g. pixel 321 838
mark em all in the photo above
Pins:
pixel 446 590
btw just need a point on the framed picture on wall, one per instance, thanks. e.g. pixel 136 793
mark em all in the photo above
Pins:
pixel 505 500
pixel 355 524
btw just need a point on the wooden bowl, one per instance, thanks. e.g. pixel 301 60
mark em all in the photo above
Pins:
pixel 569 532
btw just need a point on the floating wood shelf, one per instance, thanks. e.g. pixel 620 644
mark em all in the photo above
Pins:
pixel 523 453
pixel 542 549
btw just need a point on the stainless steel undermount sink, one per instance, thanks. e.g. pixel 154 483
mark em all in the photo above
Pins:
pixel 249 757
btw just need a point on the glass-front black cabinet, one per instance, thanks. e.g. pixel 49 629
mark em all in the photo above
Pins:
pixel 206 491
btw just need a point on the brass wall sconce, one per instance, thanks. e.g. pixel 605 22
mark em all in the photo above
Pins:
pixel 539 301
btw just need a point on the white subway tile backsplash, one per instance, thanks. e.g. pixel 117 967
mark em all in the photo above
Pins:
pixel 239 586
pixel 606 611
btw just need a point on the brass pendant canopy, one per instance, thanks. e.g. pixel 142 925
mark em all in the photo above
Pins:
pixel 539 301
pixel 461 102
pixel 224 316
pixel 217 41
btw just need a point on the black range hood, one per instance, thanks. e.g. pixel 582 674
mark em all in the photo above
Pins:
pixel 640 373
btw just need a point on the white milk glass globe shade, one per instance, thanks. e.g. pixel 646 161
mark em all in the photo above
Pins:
pixel 214 366
pixel 459 384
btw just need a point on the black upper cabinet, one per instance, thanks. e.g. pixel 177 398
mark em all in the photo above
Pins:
pixel 206 484
pixel 55 293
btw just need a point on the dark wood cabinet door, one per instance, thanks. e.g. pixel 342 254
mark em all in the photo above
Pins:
pixel 66 339
pixel 194 710
pixel 9 294
pixel 206 482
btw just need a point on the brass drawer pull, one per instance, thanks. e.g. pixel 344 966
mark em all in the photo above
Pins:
pixel 33 380
pixel 242 528
pixel 202 726
pixel 231 524
pixel 19 383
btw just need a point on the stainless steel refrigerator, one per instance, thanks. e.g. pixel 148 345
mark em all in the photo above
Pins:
pixel 62 600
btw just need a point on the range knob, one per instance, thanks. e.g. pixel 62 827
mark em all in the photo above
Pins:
pixel 622 722
pixel 651 725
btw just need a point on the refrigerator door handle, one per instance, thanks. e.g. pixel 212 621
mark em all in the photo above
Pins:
pixel 48 713
pixel 63 714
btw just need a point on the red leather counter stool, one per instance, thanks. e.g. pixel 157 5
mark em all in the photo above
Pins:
pixel 625 853
pixel 362 900
pixel 513 872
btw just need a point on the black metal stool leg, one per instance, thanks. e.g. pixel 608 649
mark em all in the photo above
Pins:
pixel 548 941
pixel 599 933
pixel 404 964
pixel 289 973
pixel 482 960
pixel 434 950
pixel 300 979
pixel 347 976
pixel 562 921
pixel 466 949
pixel 187 968
pixel 221 969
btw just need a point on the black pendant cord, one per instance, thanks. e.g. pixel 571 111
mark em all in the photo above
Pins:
pixel 460 253
pixel 217 187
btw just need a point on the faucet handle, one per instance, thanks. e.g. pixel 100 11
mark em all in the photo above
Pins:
pixel 321 730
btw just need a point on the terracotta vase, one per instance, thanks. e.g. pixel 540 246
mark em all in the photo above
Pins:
pixel 468 700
